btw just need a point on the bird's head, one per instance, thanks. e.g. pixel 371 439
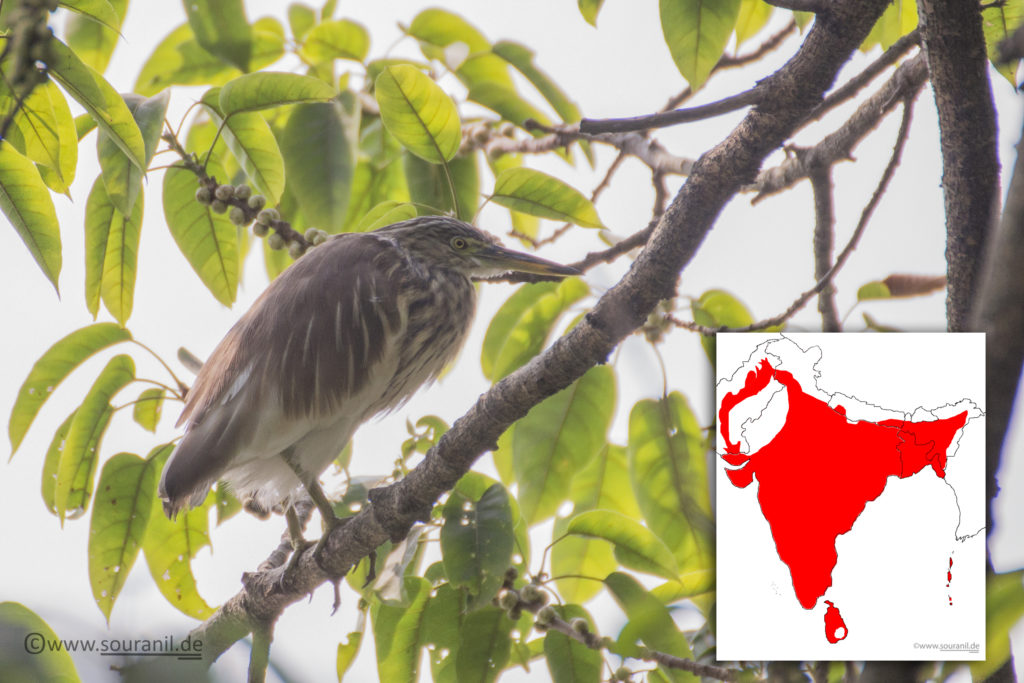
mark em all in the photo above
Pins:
pixel 442 241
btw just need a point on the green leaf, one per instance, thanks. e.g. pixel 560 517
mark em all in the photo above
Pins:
pixel 78 460
pixel 522 223
pixel 347 652
pixel 477 541
pixel 507 103
pixel 91 40
pixel 121 177
pixel 557 438
pixel 48 134
pixel 484 647
pixel 873 324
pixel 999 20
pixel 385 213
pixel 266 89
pixel 696 32
pixel 301 18
pixel 442 624
pixel 521 57
pixel 51 369
pixel 252 142
pixel 397 632
pixel 147 408
pixel 100 11
pixel 650 622
pixel 84 124
pixel 669 474
pixel 899 19
pixel 873 290
pixel 596 486
pixel 428 184
pixel 221 28
pixel 418 113
pixel 321 142
pixel 718 308
pixel 208 240
pixel 539 194
pixel 589 9
pixel 178 59
pixel 1004 609
pixel 20 626
pixel 169 547
pixel 335 39
pixel 52 462
pixel 98 98
pixel 437 29
pixel 569 660
pixel 686 585
pixel 753 16
pixel 28 206
pixel 641 549
pixel 124 501
pixel 227 505
pixel 521 326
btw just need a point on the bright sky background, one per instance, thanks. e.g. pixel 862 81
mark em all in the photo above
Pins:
pixel 762 254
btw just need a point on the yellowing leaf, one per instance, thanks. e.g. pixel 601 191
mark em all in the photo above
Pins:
pixel 697 32
pixel 418 113
pixel 539 194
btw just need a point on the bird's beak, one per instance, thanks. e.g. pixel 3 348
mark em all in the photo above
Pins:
pixel 509 260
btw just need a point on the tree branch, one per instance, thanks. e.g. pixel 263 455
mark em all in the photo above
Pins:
pixel 824 238
pixel 800 5
pixel 952 38
pixel 826 279
pixel 905 81
pixel 674 117
pixel 787 96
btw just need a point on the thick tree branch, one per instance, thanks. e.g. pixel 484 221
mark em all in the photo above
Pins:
pixel 906 81
pixel 998 313
pixel 788 95
pixel 953 41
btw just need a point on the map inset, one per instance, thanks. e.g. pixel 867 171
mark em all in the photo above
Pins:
pixel 850 497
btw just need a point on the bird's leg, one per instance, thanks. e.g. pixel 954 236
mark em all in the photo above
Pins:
pixel 299 543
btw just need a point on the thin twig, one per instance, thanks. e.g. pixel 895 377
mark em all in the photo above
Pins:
pixel 674 117
pixel 801 301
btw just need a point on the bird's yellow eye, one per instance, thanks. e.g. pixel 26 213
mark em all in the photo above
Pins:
pixel 459 243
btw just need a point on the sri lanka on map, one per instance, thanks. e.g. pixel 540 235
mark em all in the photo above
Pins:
pixel 850 496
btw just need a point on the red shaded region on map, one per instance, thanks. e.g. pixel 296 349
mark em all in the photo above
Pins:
pixel 816 475
pixel 833 623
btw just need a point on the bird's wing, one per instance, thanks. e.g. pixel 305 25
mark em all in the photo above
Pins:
pixel 304 354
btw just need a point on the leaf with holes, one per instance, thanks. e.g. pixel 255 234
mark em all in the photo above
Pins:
pixel 418 113
pixel 52 367
pixel 52 461
pixel 77 466
pixel 124 501
pixel 539 194
pixel 484 645
pixel 170 546
pixel 477 541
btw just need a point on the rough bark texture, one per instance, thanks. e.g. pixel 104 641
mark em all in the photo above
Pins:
pixel 790 93
pixel 1000 314
pixel 955 46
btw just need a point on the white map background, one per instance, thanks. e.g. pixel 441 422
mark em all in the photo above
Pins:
pixel 890 580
